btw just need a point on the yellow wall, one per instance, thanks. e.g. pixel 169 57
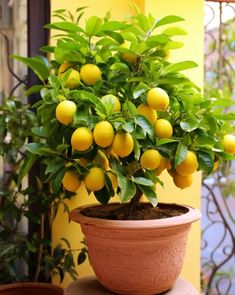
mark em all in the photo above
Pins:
pixel 192 11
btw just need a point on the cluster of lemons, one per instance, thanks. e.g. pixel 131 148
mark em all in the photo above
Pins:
pixel 122 144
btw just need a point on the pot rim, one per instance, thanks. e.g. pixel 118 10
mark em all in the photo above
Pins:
pixel 189 217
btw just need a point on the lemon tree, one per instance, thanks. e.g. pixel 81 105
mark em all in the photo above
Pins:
pixel 115 111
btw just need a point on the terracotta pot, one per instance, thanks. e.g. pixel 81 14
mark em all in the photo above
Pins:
pixel 137 257
pixel 30 289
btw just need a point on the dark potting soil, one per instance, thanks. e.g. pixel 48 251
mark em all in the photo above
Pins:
pixel 143 211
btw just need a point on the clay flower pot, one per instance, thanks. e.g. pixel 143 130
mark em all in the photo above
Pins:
pixel 30 289
pixel 137 257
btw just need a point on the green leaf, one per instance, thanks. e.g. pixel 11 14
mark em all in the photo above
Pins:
pixel 26 166
pixel 181 153
pixel 204 138
pixel 144 124
pixel 165 141
pixel 119 66
pixel 150 194
pixel 136 150
pixel 227 116
pixel 142 181
pixel 205 161
pixel 173 45
pixel 47 49
pixel 68 261
pixel 127 187
pixel 168 20
pixel 115 36
pixel 157 40
pixel 84 95
pixel 93 25
pixel 212 122
pixel 39 131
pixel 33 89
pixel 58 254
pixel 179 66
pixel 174 31
pixel 103 196
pixel 189 123
pixel 57 180
pixel 143 22
pixel 114 26
pixel 37 64
pixel 54 165
pixel 128 127
pixel 81 257
pixel 140 89
pixel 33 147
pixel 64 26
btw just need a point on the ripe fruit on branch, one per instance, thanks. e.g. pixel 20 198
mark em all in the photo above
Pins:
pixel 163 129
pixel 123 144
pixel 65 111
pixel 158 99
pixel 90 74
pixel 103 134
pixel 73 80
pixel 147 112
pixel 81 139
pixel 229 143
pixel 64 67
pixel 94 180
pixel 182 181
pixel 71 181
pixel 150 159
pixel 189 165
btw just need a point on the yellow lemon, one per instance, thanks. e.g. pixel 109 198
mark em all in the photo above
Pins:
pixel 64 67
pixel 189 165
pixel 182 181
pixel 113 179
pixel 150 159
pixel 65 111
pixel 163 129
pixel 94 180
pixel 81 139
pixel 103 134
pixel 90 74
pixel 123 144
pixel 147 112
pixel 158 99
pixel 73 80
pixel 112 99
pixel 229 143
pixel 128 56
pixel 71 181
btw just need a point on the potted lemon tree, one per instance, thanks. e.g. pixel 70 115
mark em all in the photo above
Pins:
pixel 114 114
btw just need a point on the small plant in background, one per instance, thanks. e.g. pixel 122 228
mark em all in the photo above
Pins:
pixel 16 125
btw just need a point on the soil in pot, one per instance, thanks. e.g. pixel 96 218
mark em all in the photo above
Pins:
pixel 143 211
pixel 30 289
